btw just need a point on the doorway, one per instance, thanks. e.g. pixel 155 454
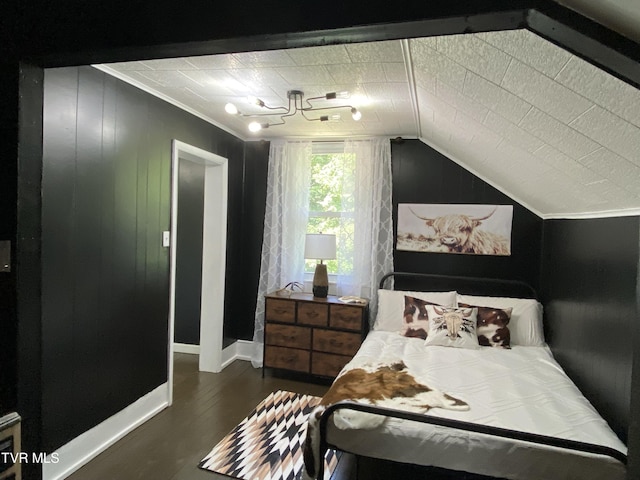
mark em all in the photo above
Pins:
pixel 214 239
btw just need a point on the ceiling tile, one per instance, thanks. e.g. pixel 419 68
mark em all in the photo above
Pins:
pixel 128 66
pixel 561 136
pixel 395 72
pixel 327 55
pixel 308 75
pixel 168 78
pixel 214 62
pixel 529 48
pixel 476 55
pixel 611 131
pixel 268 58
pixel 461 102
pixel 169 64
pixel 387 90
pixel 615 168
pixel 219 81
pixel 358 73
pixel 430 64
pixel 442 111
pixel 501 101
pixel 567 165
pixel 603 89
pixel 374 52
pixel 542 92
pixel 512 133
pixel 259 79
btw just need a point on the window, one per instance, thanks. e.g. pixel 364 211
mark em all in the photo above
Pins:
pixel 331 202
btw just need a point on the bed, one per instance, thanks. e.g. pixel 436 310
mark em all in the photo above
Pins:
pixel 502 408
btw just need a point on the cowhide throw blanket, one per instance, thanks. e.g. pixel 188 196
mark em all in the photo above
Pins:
pixel 388 385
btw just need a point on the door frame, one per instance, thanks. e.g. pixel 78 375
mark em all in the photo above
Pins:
pixel 214 250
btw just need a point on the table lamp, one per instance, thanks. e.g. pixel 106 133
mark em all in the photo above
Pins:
pixel 320 247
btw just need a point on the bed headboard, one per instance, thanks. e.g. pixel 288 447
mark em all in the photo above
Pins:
pixel 465 285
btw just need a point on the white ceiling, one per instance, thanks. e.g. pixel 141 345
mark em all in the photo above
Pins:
pixel 547 128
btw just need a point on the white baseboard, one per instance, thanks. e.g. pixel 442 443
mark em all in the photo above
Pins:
pixel 238 350
pixel 73 455
pixel 186 348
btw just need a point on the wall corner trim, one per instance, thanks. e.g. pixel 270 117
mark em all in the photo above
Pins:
pixel 88 445
pixel 238 350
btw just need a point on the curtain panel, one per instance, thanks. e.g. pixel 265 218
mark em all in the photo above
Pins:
pixel 286 219
pixel 285 225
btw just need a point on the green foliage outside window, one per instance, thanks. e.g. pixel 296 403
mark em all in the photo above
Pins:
pixel 331 206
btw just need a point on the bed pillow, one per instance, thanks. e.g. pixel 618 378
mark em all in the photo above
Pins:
pixel 415 318
pixel 525 326
pixel 452 327
pixel 492 325
pixel 391 306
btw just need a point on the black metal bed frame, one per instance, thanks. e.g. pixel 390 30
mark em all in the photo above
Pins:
pixel 486 286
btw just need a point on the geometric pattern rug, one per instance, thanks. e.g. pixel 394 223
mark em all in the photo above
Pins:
pixel 268 444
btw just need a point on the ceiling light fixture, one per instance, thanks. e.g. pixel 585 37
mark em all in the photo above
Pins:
pixel 296 104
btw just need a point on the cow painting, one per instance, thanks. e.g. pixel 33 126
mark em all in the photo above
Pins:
pixel 455 232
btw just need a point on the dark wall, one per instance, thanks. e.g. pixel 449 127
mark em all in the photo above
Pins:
pixel 590 270
pixel 422 175
pixel 251 222
pixel 105 280
pixel 189 252
pixel 8 195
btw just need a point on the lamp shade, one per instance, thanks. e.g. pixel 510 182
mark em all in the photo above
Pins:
pixel 320 246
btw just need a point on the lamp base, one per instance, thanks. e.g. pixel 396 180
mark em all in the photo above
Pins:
pixel 320 281
pixel 320 292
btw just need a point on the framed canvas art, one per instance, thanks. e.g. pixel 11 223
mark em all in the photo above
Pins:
pixel 452 228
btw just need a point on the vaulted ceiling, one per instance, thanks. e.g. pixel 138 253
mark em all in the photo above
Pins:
pixel 542 125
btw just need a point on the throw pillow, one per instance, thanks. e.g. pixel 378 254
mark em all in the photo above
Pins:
pixel 452 327
pixel 492 326
pixel 415 322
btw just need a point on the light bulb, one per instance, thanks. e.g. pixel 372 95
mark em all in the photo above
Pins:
pixel 356 114
pixel 255 127
pixel 231 109
pixel 334 95
pixel 255 101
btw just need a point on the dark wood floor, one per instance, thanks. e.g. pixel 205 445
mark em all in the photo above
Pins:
pixel 206 407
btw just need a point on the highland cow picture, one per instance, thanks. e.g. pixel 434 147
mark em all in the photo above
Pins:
pixel 449 228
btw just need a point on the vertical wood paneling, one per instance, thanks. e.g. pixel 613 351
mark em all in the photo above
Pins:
pixel 58 225
pixel 590 275
pixel 8 204
pixel 106 196
pixel 189 252
pixel 256 161
pixel 422 175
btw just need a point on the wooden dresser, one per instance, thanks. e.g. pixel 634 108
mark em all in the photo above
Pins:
pixel 317 336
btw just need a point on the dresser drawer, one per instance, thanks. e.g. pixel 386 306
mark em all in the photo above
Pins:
pixel 327 365
pixel 313 314
pixel 349 318
pixel 287 358
pixel 280 310
pixel 288 336
pixel 330 341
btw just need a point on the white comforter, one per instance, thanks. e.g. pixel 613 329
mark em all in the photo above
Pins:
pixel 519 389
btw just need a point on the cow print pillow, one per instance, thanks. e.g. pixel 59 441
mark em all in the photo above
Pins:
pixel 492 326
pixel 452 327
pixel 415 323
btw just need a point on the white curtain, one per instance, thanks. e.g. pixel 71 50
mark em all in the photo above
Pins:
pixel 285 225
pixel 372 218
